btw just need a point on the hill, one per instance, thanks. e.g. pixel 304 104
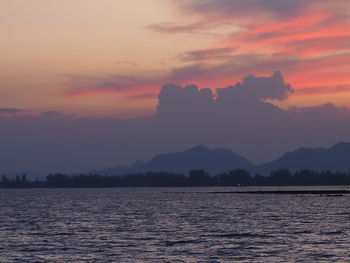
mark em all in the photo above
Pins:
pixel 335 159
pixel 199 157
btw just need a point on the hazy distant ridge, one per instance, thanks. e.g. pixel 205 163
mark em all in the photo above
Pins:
pixel 199 157
pixel 336 158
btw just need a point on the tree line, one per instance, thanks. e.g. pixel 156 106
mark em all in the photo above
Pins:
pixel 239 177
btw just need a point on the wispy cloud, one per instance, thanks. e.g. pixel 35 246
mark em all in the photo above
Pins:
pixel 129 63
pixel 172 28
pixel 208 54
pixel 88 85
pixel 142 96
pixel 323 90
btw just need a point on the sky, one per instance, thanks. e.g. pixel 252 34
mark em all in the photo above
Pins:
pixel 110 58
pixel 83 75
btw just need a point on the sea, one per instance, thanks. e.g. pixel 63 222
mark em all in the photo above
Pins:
pixel 172 225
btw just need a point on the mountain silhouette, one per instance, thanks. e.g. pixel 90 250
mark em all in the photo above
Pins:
pixel 199 157
pixel 335 159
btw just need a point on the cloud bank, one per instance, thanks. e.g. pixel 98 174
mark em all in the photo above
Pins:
pixel 240 117
pixel 253 90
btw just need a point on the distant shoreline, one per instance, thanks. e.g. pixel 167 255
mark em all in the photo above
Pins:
pixel 290 192
pixel 195 178
pixel 321 192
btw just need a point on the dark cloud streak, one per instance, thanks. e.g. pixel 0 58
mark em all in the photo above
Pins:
pixel 10 110
pixel 174 28
pixel 208 54
pixel 276 8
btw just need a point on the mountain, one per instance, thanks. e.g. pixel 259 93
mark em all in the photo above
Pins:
pixel 214 161
pixel 199 157
pixel 336 158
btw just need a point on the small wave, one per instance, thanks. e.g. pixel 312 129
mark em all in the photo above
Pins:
pixel 322 255
pixel 181 242
pixel 303 232
pixel 344 213
pixel 143 238
pixel 332 233
pixel 45 234
pixel 34 249
pixel 64 234
pixel 240 235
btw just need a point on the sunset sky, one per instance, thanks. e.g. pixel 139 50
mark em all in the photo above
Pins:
pixel 110 58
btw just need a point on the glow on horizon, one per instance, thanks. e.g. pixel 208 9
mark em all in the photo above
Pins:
pixel 110 58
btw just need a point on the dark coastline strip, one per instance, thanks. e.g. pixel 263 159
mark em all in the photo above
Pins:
pixel 289 192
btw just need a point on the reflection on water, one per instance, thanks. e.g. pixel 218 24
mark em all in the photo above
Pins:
pixel 171 225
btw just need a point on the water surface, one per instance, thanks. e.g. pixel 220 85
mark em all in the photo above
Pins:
pixel 171 225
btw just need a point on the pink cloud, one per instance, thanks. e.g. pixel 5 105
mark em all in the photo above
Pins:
pixel 307 40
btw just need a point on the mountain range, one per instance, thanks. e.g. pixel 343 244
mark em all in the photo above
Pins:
pixel 335 159
pixel 199 157
pixel 214 161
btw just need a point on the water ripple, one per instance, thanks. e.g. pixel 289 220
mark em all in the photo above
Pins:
pixel 170 225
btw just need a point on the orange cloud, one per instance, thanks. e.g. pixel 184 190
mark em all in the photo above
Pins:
pixel 315 43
